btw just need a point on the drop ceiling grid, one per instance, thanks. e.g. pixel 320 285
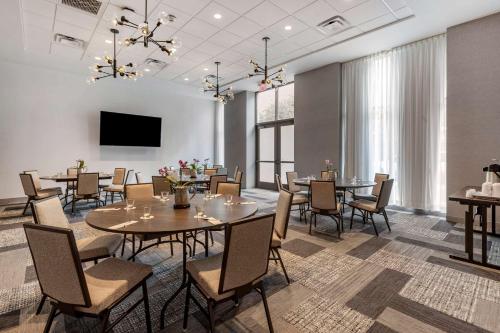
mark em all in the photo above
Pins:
pixel 255 18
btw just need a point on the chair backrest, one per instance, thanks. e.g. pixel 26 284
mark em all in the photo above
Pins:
pixel 290 177
pixel 236 169
pixel 143 191
pixel 36 178
pixel 385 193
pixel 229 188
pixel 217 166
pixel 222 171
pixel 185 171
pixel 246 252
pixel 57 264
pixel 28 184
pixel 88 183
pixel 119 176
pixel 277 178
pixel 214 180
pixel 161 184
pixel 72 171
pixel 327 175
pixel 49 212
pixel 139 179
pixel 129 176
pixel 323 195
pixel 239 176
pixel 210 171
pixel 283 213
pixel 379 179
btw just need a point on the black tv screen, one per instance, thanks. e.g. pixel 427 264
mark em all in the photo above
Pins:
pixel 121 129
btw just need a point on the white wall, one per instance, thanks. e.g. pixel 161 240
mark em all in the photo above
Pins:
pixel 49 119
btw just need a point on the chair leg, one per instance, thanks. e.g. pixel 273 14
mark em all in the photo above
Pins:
pixel 386 219
pixel 40 305
pixel 104 320
pixel 373 222
pixel 311 223
pixel 171 246
pixel 73 205
pixel 133 247
pixel 266 308
pixel 282 265
pixel 26 206
pixel 211 238
pixel 50 319
pixel 112 197
pixel 106 198
pixel 186 305
pixel 146 306
pixel 211 315
pixel 123 244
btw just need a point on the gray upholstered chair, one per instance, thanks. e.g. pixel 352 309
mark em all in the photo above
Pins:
pixel 32 192
pixel 161 184
pixel 229 188
pixel 117 187
pixel 283 208
pixel 143 191
pixel 368 207
pixel 324 202
pixel 139 178
pixel 300 198
pixel 378 179
pixel 235 272
pixel 210 171
pixel 73 291
pixel 214 180
pixel 50 212
pixel 87 188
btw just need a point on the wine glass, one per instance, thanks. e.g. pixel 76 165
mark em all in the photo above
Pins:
pixel 130 204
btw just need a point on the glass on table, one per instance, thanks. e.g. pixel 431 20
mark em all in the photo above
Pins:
pixel 130 204
pixel 164 195
pixel 200 210
pixel 229 199
pixel 147 212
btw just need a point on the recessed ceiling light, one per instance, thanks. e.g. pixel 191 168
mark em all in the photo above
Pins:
pixel 97 58
pixel 147 69
pixel 288 27
pixel 217 16
pixel 205 69
pixel 108 41
pixel 186 79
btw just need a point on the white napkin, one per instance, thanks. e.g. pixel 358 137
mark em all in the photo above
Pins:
pixel 247 203
pixel 496 190
pixel 106 209
pixel 213 220
pixel 123 225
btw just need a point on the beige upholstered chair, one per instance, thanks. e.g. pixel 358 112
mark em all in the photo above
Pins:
pixel 87 188
pixel 143 191
pixel 210 171
pixel 217 166
pixel 73 291
pixel 139 178
pixel 238 177
pixel 324 202
pixel 378 179
pixel 229 188
pixel 161 184
pixel 279 184
pixel 281 226
pixel 236 169
pixel 185 172
pixel 222 171
pixel 31 191
pixel 300 198
pixel 117 186
pixel 214 180
pixel 368 207
pixel 71 185
pixel 237 271
pixel 328 175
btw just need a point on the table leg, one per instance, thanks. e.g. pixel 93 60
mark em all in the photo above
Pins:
pixel 484 236
pixel 206 242
pixel 469 227
pixel 493 220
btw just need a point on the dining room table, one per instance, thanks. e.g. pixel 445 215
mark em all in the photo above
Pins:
pixel 206 212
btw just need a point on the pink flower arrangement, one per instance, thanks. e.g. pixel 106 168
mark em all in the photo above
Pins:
pixel 183 164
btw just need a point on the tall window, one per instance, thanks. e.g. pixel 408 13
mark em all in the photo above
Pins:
pixel 275 135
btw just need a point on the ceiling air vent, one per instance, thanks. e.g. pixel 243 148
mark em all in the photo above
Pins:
pixel 154 63
pixel 333 25
pixel 69 41
pixel 89 6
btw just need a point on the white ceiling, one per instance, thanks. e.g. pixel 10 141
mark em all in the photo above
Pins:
pixel 236 37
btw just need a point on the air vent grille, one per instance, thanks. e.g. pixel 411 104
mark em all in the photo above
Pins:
pixel 69 41
pixel 89 6
pixel 154 63
pixel 333 25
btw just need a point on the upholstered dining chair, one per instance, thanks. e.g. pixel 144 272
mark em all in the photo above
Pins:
pixel 324 202
pixel 283 208
pixel 378 179
pixel 38 184
pixel 73 291
pixel 213 182
pixel 144 191
pixel 185 172
pixel 300 198
pixel 279 184
pixel 217 166
pixel 50 212
pixel 210 171
pixel 87 188
pixel 139 178
pixel 235 272
pixel 229 188
pixel 222 171
pixel 328 175
pixel 236 169
pixel 31 191
pixel 368 207
pixel 118 189
pixel 161 184
pixel 71 185
pixel 239 177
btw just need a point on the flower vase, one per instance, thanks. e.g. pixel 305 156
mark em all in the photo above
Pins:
pixel 193 173
pixel 181 198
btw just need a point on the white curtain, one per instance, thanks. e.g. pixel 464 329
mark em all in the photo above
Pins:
pixel 219 134
pixel 394 121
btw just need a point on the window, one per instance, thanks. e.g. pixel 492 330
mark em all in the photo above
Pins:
pixel 275 104
pixel 266 106
pixel 285 102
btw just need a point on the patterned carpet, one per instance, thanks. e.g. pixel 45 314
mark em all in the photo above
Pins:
pixel 402 281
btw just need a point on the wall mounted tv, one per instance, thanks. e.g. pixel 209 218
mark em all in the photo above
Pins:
pixel 121 129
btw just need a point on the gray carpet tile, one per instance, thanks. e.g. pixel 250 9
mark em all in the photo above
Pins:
pixel 301 247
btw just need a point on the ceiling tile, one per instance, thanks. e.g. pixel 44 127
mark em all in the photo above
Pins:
pixel 39 7
pixel 248 48
pixel 395 4
pixel 243 27
pixel 378 22
pixel 225 38
pixel 308 37
pixel 349 33
pixel 165 32
pixel 168 73
pixel 181 17
pixel 196 56
pixel 72 31
pixel 188 6
pixel 343 5
pixel 315 13
pixel 365 12
pixel 291 6
pixel 274 36
pixel 75 17
pixel 229 56
pixel 240 6
pixel 210 48
pixel 207 15
pixel 39 21
pixel 66 51
pixel 136 5
pixel 284 47
pixel 200 28
pixel 290 21
pixel 188 41
pixel 266 14
pixel 36 39
pixel 403 12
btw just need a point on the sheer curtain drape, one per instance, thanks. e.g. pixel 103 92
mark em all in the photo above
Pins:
pixel 394 121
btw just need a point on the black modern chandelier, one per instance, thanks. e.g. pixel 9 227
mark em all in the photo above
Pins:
pixel 222 96
pixel 146 31
pixel 270 80
pixel 111 68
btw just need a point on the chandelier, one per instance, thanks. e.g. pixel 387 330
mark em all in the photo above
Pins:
pixel 222 96
pixel 146 31
pixel 274 79
pixel 111 69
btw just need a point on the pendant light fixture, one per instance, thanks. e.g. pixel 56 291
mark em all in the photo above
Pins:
pixel 147 32
pixel 209 85
pixel 111 68
pixel 270 80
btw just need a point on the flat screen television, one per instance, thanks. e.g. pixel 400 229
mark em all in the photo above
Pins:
pixel 121 129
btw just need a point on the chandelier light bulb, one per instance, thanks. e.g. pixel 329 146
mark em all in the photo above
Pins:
pixel 114 22
pixel 144 29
